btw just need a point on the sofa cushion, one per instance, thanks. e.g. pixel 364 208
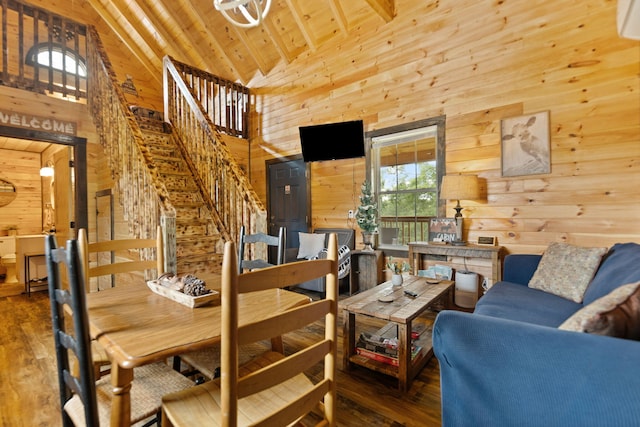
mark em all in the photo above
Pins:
pixel 621 265
pixel 310 245
pixel 513 301
pixel 616 314
pixel 566 270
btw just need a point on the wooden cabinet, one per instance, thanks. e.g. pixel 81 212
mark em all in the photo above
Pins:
pixel 366 270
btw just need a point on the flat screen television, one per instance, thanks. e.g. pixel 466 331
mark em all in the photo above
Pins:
pixel 332 141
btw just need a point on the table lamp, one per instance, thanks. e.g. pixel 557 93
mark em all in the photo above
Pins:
pixel 459 187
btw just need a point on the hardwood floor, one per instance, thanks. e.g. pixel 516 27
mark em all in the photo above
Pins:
pixel 29 391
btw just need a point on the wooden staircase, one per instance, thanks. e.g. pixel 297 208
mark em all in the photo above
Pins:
pixel 187 181
pixel 199 243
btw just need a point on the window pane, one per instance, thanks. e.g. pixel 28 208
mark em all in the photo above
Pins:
pixel 428 175
pixel 426 204
pixel 388 205
pixel 407 177
pixel 56 58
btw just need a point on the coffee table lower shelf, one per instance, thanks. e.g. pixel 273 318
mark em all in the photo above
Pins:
pixel 417 363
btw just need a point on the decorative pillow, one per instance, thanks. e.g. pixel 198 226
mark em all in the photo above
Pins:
pixel 616 314
pixel 310 244
pixel 566 270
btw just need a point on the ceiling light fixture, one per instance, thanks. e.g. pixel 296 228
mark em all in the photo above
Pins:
pixel 243 13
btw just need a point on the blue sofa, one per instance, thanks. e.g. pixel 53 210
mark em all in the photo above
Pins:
pixel 508 364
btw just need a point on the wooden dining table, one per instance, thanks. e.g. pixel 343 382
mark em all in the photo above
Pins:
pixel 138 327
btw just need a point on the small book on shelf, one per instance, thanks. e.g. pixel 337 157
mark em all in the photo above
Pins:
pixel 384 358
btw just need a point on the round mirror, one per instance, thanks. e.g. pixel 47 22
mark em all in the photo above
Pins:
pixel 7 192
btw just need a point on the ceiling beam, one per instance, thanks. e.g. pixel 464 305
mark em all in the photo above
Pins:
pixel 153 11
pixel 123 35
pixel 255 54
pixel 385 8
pixel 298 17
pixel 277 41
pixel 132 23
pixel 199 27
pixel 341 18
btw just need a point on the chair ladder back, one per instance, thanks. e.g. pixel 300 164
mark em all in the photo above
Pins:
pixel 288 367
pixel 279 242
pixel 113 246
pixel 71 302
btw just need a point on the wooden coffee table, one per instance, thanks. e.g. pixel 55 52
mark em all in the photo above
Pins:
pixel 401 311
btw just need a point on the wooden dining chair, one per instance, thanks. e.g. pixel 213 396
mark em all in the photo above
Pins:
pixel 84 401
pixel 206 361
pixel 267 241
pixel 272 389
pixel 116 266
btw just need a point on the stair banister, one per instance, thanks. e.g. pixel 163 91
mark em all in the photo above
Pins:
pixel 227 191
pixel 142 193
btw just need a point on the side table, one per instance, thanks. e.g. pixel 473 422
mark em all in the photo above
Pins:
pixel 27 272
pixel 366 270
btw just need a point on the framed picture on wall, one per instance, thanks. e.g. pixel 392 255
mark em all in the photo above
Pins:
pixel 526 145
pixel 442 230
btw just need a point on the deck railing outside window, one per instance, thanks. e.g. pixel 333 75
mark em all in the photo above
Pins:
pixel 409 229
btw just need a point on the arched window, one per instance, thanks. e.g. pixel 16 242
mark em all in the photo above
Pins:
pixel 57 57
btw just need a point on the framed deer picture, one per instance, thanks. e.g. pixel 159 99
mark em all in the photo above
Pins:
pixel 526 145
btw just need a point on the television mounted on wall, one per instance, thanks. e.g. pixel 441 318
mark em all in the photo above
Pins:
pixel 332 141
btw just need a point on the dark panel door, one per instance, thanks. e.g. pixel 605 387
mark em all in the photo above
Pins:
pixel 288 201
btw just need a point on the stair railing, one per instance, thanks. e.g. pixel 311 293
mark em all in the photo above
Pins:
pixel 226 188
pixel 140 189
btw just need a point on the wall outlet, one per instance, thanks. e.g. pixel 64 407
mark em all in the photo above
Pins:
pixel 351 215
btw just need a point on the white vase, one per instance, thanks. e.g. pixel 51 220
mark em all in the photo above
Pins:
pixel 396 280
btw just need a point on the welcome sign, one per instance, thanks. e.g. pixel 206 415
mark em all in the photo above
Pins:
pixel 28 121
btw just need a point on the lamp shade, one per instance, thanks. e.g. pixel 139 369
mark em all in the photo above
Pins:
pixel 460 187
pixel 629 19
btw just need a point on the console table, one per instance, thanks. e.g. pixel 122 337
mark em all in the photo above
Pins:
pixel 481 259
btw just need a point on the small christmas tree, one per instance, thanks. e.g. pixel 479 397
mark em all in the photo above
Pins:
pixel 367 214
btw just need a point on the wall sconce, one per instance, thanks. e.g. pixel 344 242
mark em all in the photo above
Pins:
pixel 459 187
pixel 47 169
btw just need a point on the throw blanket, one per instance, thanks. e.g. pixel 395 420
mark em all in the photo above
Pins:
pixel 344 260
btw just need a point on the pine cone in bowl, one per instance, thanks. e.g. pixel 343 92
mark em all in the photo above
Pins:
pixel 194 286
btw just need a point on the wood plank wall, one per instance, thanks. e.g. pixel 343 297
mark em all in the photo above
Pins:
pixel 478 62
pixel 475 62
pixel 22 169
pixel 24 166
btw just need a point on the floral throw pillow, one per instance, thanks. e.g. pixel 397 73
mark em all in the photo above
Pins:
pixel 616 314
pixel 566 270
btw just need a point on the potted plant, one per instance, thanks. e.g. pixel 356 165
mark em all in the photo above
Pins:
pixel 367 216
pixel 396 268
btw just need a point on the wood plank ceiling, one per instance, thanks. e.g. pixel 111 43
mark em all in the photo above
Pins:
pixel 192 31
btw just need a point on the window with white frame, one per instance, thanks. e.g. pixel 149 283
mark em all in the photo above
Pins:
pixel 406 169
